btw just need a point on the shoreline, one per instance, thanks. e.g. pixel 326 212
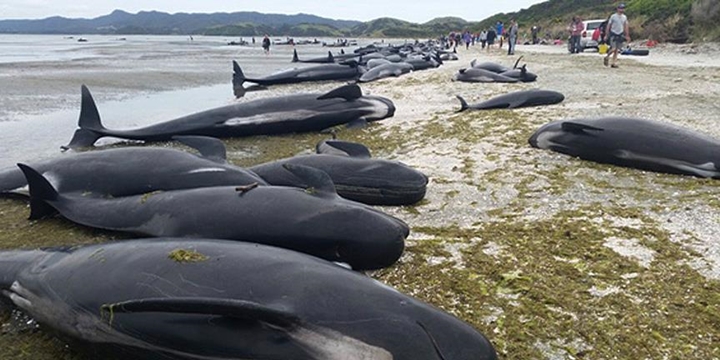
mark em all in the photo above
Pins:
pixel 549 256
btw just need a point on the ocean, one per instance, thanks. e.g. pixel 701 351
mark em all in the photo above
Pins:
pixel 136 80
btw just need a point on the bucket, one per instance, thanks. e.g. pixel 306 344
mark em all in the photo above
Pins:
pixel 603 48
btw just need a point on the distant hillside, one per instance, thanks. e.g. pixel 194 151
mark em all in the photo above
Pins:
pixel 664 20
pixel 154 22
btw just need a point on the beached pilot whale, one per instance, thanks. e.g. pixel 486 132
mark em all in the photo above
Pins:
pixel 636 143
pixel 482 76
pixel 493 66
pixel 386 70
pixel 160 299
pixel 515 100
pixel 314 220
pixel 136 170
pixel 276 115
pixel 348 70
pixel 356 176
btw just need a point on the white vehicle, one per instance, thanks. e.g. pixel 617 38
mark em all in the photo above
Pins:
pixel 589 27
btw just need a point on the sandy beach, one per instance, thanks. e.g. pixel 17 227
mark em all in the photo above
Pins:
pixel 551 257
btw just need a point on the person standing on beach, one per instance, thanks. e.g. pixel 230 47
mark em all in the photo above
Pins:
pixel 266 44
pixel 618 31
pixel 512 36
pixel 483 38
pixel 490 38
pixel 499 33
pixel 576 28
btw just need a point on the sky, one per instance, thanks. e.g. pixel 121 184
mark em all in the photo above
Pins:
pixel 418 11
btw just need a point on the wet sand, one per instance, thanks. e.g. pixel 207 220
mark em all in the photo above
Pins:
pixel 551 257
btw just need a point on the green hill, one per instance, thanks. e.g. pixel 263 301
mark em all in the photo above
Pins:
pixel 389 27
pixel 664 20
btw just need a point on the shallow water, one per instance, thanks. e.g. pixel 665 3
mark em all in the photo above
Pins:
pixel 34 137
pixel 136 81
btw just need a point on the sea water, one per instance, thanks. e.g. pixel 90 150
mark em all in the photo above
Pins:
pixel 31 133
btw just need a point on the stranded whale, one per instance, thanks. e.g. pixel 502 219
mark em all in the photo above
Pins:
pixel 515 100
pixel 314 220
pixel 276 115
pixel 636 143
pixel 136 170
pixel 158 299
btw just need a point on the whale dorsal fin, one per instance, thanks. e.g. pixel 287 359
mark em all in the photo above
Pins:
pixel 350 148
pixel 347 92
pixel 317 181
pixel 41 191
pixel 574 127
pixel 239 309
pixel 209 147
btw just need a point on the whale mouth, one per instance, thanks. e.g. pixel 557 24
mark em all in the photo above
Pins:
pixel 390 106
pixel 19 296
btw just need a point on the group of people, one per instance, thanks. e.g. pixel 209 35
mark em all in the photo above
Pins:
pixel 615 31
pixel 487 38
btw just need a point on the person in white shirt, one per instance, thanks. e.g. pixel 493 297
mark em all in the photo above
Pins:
pixel 618 31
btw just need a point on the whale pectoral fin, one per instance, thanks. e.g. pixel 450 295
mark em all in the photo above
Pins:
pixel 574 127
pixel 357 124
pixel 319 342
pixel 347 92
pixel 352 149
pixel 209 147
pixel 318 182
pixel 205 306
pixel 40 191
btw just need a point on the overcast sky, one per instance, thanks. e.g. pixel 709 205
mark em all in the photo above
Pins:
pixel 418 11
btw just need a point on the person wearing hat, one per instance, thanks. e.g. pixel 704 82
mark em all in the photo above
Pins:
pixel 618 31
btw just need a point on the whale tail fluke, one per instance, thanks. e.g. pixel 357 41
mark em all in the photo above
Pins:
pixel 294 59
pixel 238 76
pixel 41 191
pixel 463 104
pixel 81 139
pixel 89 123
